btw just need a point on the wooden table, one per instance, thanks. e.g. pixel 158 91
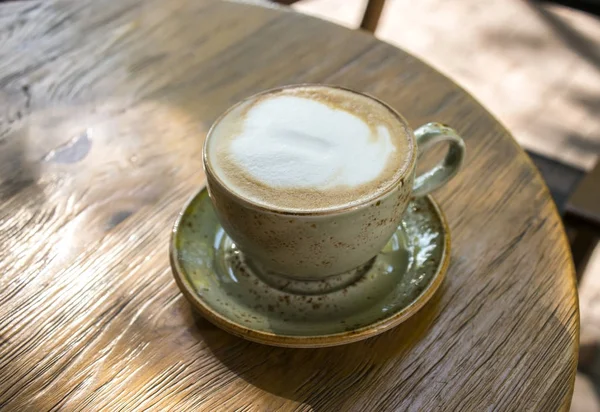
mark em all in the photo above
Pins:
pixel 104 107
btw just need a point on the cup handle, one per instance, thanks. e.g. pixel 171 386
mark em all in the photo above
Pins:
pixel 428 135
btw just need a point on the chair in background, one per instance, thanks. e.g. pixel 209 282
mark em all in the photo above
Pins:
pixel 370 17
pixel 577 196
pixel 582 215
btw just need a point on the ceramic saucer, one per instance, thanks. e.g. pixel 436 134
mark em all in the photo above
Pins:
pixel 213 275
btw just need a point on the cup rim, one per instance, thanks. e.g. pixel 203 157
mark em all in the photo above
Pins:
pixel 400 178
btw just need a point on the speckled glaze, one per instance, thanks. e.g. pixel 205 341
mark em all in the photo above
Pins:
pixel 314 245
pixel 214 276
pixel 310 246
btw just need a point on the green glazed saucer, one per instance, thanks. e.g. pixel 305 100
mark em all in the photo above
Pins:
pixel 212 274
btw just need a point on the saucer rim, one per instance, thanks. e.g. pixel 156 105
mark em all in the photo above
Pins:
pixel 307 341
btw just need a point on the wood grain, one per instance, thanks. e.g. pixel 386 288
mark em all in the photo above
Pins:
pixel 103 109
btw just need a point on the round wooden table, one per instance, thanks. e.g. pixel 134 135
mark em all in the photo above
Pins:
pixel 105 105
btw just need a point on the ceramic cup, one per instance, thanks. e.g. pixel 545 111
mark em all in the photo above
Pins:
pixel 315 245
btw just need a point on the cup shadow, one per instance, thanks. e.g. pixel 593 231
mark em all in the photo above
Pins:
pixel 307 375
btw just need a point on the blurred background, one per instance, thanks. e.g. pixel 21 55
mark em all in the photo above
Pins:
pixel 536 66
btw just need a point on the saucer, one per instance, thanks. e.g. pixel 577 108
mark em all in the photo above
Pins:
pixel 215 277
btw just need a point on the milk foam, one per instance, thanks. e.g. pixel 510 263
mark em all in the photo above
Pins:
pixel 310 147
pixel 295 142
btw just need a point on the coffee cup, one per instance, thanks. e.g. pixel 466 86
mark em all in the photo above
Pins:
pixel 311 181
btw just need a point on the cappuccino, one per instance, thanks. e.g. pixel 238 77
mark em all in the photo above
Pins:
pixel 309 148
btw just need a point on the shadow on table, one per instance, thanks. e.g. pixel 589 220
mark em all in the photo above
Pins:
pixel 324 378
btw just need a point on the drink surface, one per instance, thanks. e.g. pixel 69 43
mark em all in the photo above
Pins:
pixel 309 148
